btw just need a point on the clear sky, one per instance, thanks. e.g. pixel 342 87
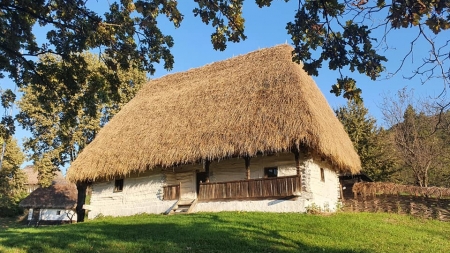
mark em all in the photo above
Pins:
pixel 266 28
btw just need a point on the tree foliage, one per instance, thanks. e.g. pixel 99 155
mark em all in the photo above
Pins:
pixel 420 135
pixel 371 143
pixel 12 180
pixel 7 127
pixel 342 33
pixel 127 32
pixel 62 119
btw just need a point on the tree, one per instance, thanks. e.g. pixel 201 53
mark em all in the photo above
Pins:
pixel 370 142
pixel 419 135
pixel 127 32
pixel 12 180
pixel 338 32
pixel 63 120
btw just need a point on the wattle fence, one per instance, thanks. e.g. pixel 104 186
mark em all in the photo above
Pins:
pixel 425 202
pixel 375 188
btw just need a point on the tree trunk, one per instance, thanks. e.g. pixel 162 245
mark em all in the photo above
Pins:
pixel 81 188
pixel 425 176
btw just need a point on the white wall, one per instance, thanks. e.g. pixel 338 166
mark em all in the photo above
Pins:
pixel 30 213
pixel 324 194
pixel 143 193
pixel 52 215
pixel 315 192
pixel 139 195
pixel 267 205
pixel 234 169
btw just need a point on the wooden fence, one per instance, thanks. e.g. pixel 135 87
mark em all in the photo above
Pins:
pixel 251 188
pixel 171 192
pixel 376 188
pixel 430 202
pixel 417 206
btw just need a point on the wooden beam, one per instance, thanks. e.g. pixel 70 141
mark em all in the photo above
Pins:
pixel 207 163
pixel 297 161
pixel 303 150
pixel 247 166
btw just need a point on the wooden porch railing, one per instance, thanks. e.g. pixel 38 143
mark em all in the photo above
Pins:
pixel 251 188
pixel 171 192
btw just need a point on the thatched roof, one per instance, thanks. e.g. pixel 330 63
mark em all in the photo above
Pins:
pixel 61 194
pixel 31 174
pixel 258 102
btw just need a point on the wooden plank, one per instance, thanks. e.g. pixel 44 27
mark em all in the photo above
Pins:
pixel 171 192
pixel 253 188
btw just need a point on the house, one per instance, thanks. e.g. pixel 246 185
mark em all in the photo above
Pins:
pixel 52 205
pixel 251 133
pixel 32 178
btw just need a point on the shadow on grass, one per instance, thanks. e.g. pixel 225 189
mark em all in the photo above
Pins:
pixel 12 222
pixel 192 233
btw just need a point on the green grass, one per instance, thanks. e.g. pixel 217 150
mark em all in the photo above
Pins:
pixel 235 232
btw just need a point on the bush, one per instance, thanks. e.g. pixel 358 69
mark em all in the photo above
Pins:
pixel 9 207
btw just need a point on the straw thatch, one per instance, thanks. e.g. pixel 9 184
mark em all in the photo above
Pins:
pixel 60 195
pixel 31 174
pixel 258 102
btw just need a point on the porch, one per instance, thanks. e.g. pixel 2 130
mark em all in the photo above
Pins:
pixel 273 187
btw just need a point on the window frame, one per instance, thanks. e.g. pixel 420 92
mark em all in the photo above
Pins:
pixel 270 172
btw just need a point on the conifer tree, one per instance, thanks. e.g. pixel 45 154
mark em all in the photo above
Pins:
pixel 371 143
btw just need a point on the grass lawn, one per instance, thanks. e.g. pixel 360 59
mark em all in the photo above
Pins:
pixel 235 232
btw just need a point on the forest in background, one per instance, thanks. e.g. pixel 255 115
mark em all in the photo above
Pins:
pixel 412 147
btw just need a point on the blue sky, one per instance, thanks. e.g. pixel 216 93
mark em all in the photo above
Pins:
pixel 266 28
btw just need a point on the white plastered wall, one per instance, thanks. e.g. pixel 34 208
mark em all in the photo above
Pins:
pixel 139 195
pixel 323 194
pixel 234 169
pixel 315 192
pixel 52 214
pixel 143 193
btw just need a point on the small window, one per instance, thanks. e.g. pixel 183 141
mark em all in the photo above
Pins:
pixel 58 212
pixel 118 185
pixel 271 172
pixel 322 175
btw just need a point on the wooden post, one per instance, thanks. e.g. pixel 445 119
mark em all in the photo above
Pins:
pixel 296 152
pixel 207 163
pixel 247 166
pixel 297 161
